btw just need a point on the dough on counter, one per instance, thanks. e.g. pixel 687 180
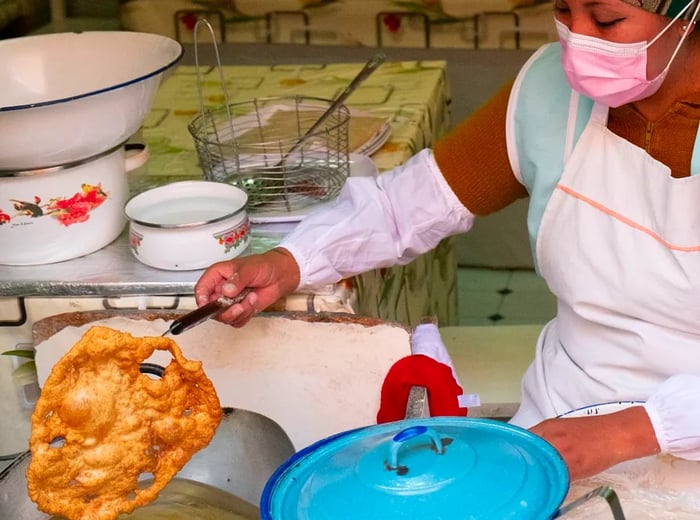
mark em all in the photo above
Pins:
pixel 659 487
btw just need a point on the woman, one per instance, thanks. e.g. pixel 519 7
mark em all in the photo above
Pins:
pixel 602 133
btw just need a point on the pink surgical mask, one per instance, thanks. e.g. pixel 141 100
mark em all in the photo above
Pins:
pixel 610 73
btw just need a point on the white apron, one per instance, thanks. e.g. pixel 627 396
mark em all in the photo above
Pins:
pixel 619 246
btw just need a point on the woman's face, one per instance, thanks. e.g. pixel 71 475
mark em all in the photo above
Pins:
pixel 620 22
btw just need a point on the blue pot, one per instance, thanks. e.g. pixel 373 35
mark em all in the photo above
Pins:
pixel 430 468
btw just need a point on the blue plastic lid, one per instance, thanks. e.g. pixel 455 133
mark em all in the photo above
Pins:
pixel 439 467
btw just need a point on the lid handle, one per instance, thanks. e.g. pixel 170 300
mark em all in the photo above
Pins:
pixel 401 438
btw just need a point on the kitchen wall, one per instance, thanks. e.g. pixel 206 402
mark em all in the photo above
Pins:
pixel 484 24
pixel 391 23
pixel 36 16
pixel 16 17
pixel 93 8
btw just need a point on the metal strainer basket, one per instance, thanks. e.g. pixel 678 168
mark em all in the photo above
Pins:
pixel 255 145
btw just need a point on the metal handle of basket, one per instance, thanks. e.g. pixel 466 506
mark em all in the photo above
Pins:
pixel 368 69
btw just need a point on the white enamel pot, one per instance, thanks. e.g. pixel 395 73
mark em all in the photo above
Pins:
pixel 188 225
pixel 70 96
pixel 64 212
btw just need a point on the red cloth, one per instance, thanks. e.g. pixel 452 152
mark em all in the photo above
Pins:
pixel 419 370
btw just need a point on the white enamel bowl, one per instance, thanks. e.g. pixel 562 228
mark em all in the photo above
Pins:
pixel 601 408
pixel 188 225
pixel 65 97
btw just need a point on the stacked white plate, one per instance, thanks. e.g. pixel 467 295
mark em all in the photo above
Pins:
pixel 375 142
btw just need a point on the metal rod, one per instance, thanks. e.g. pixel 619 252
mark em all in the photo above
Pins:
pixel 368 69
pixel 204 312
pixel 605 492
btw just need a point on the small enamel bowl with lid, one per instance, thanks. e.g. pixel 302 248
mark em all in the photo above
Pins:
pixel 188 225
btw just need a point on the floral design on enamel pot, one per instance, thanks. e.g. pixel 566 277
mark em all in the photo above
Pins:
pixel 135 239
pixel 233 237
pixel 67 210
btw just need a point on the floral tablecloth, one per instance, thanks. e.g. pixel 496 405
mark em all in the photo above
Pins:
pixel 413 96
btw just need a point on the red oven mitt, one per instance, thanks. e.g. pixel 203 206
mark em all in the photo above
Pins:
pixel 429 366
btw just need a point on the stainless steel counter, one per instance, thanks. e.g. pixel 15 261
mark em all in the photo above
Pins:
pixel 111 271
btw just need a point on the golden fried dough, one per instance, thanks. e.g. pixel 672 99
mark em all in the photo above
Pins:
pixel 100 424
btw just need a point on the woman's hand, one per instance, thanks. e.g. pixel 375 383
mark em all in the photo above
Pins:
pixel 590 445
pixel 271 275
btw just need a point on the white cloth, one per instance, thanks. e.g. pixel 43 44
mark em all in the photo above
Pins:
pixel 674 413
pixel 378 222
pixel 619 247
pixel 426 340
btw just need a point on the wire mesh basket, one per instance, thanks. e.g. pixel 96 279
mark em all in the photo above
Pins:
pixel 257 145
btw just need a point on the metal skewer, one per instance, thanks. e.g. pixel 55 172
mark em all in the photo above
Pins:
pixel 368 69
pixel 204 312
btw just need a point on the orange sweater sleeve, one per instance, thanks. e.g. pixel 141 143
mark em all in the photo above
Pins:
pixel 474 160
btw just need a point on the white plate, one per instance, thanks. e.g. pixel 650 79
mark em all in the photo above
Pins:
pixel 601 409
pixel 360 166
pixel 376 142
pixel 242 124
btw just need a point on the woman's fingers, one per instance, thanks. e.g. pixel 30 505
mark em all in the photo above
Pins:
pixel 271 276
pixel 208 285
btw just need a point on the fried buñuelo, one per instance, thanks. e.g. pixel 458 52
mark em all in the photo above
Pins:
pixel 101 426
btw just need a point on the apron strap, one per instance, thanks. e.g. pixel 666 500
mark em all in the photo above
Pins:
pixel 571 125
pixel 695 159
pixel 598 115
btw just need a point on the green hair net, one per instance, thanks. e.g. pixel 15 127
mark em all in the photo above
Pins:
pixel 668 8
